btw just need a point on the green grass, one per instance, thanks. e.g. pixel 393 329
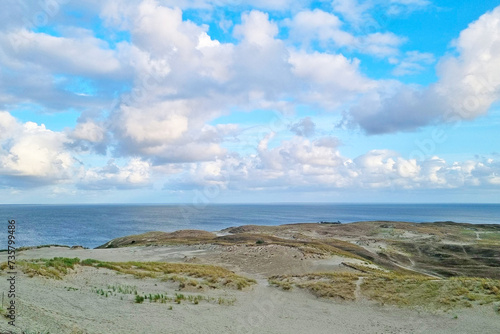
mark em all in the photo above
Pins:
pixel 178 298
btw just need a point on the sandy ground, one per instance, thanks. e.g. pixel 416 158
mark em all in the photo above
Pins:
pixel 71 305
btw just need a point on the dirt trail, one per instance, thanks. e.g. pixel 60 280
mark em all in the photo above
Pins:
pixel 357 292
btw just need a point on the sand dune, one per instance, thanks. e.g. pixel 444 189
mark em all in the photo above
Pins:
pixel 91 299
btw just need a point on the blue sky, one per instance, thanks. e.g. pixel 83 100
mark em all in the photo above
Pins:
pixel 216 101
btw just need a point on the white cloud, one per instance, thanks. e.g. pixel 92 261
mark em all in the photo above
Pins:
pixel 468 85
pixel 317 165
pixel 217 58
pixel 168 131
pixel 334 79
pixel 380 44
pixel 372 15
pixel 256 29
pixel 183 79
pixel 32 153
pixel 414 62
pixel 33 156
pixel 307 26
pixel 196 79
pixel 317 25
pixel 79 55
pixel 352 11
pixel 89 131
pixel 135 174
pixel 161 125
pixel 396 7
pixel 471 81
pixel 56 73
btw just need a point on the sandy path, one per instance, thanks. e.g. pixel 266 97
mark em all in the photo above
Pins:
pixel 357 291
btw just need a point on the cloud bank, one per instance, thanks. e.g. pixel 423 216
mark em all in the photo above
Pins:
pixel 151 84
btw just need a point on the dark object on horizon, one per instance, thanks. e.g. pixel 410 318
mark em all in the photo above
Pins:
pixel 337 222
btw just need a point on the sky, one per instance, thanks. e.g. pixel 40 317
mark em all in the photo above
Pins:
pixel 251 101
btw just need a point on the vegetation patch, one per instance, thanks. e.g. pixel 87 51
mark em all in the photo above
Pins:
pixel 178 298
pixel 184 273
pixel 187 274
pixel 330 285
pixel 455 292
pixel 52 268
pixel 396 289
pixel 160 298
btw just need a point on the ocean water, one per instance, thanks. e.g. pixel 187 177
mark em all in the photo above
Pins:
pixel 93 225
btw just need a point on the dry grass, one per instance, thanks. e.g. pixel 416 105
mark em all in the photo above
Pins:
pixel 196 275
pixel 52 268
pixel 362 268
pixel 395 289
pixel 184 273
pixel 433 294
pixel 328 285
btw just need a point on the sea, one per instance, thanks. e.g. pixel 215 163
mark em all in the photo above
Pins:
pixel 94 225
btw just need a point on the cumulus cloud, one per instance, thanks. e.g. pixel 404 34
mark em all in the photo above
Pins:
pixel 190 79
pixel 468 85
pixel 167 132
pixel 32 154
